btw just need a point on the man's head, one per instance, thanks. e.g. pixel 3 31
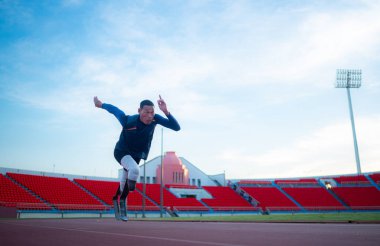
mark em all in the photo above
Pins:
pixel 146 111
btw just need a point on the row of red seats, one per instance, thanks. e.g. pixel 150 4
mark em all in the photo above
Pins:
pixel 60 192
pixel 316 198
pixel 12 195
pixel 270 198
pixel 64 194
pixel 375 177
pixel 352 180
pixel 343 180
pixel 105 190
pixel 224 198
pixel 305 181
pixel 359 197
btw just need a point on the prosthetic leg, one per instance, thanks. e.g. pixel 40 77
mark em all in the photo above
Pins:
pixel 123 205
pixel 127 183
pixel 116 204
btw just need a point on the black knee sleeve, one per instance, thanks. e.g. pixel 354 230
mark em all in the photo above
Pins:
pixel 117 193
pixel 125 192
pixel 131 184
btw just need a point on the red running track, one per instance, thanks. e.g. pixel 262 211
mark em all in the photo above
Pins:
pixel 94 232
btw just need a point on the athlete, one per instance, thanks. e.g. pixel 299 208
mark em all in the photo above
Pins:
pixel 134 144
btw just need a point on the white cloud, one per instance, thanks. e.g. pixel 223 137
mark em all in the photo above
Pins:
pixel 318 40
pixel 327 151
pixel 321 41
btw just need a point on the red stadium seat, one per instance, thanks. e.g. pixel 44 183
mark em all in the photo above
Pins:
pixel 314 198
pixel 13 195
pixel 60 192
pixel 359 198
pixel 105 190
pixel 271 198
pixel 352 180
pixel 224 198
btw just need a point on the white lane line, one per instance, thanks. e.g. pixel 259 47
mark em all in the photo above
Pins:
pixel 127 235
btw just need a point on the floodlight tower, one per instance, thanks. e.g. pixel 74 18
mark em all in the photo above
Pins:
pixel 144 192
pixel 350 78
pixel 162 175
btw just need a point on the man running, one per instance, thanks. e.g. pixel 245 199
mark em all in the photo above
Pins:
pixel 134 144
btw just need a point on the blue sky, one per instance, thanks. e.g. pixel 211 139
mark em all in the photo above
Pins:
pixel 251 83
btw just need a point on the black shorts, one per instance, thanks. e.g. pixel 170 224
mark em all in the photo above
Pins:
pixel 119 154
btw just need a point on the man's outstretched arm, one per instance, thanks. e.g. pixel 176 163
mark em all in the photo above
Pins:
pixel 170 122
pixel 162 105
pixel 120 115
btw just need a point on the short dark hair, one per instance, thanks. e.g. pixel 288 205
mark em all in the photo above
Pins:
pixel 146 103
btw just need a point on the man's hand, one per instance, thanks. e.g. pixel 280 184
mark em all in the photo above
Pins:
pixel 162 105
pixel 97 102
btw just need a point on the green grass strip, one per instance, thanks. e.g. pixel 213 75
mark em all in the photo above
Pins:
pixel 318 217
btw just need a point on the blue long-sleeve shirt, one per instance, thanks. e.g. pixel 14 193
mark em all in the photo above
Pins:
pixel 136 137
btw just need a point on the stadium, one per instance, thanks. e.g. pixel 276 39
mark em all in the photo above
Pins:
pixel 259 147
pixel 187 191
pixel 193 209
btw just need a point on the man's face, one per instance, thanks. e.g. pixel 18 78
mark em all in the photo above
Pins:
pixel 146 114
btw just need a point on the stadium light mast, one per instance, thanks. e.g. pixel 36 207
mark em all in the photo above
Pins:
pixel 162 175
pixel 350 78
pixel 144 191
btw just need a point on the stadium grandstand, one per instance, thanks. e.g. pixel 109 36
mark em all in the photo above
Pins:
pixel 186 191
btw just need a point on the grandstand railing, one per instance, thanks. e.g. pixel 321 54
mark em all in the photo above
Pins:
pixel 299 184
pixel 181 186
pixel 254 182
pixel 42 206
pixel 358 180
pixel 229 208
pixel 76 207
pixel 365 207
pixel 26 205
pixel 188 208
pixel 218 208
pixel 273 208
pixel 81 207
pixel 324 208
pixel 355 183
pixel 140 208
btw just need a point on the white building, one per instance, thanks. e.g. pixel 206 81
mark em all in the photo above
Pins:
pixel 193 174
